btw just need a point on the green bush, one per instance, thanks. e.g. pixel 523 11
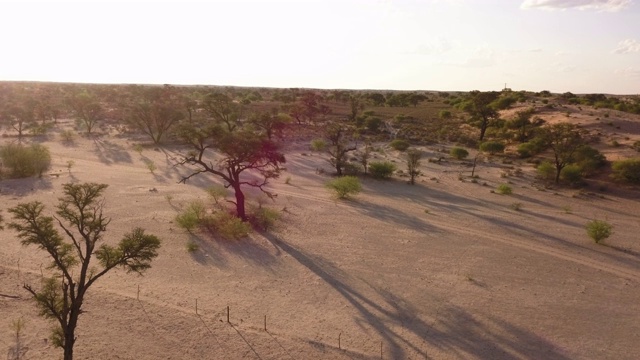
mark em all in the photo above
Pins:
pixel 504 189
pixel 264 218
pixel 67 136
pixel 459 153
pixel 627 170
pixel 571 174
pixel 191 216
pixel 492 147
pixel 444 114
pixel 217 193
pixel 318 144
pixel 546 171
pixel 345 186
pixel 25 161
pixel 532 147
pixel 381 169
pixel 400 145
pixel 599 230
pixel 227 225
pixel 589 159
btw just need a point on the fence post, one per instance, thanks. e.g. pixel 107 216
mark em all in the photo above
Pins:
pixel 228 315
pixel 196 306
pixel 339 345
pixel 265 323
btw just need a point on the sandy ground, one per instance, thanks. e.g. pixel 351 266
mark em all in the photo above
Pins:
pixel 444 269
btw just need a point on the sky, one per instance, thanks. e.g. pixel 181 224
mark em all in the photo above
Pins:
pixel 582 46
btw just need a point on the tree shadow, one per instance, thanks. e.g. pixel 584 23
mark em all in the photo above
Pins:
pixel 456 330
pixel 109 152
pixel 24 186
pixel 391 215
pixel 217 251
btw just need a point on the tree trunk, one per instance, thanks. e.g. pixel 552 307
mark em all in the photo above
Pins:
pixel 558 170
pixel 240 210
pixel 69 341
pixel 483 128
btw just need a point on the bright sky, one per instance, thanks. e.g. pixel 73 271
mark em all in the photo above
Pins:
pixel 582 46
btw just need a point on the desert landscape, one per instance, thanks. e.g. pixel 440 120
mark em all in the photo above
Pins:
pixel 447 268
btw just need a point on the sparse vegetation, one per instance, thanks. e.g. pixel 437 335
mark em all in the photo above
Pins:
pixel 25 161
pixel 459 153
pixel 399 144
pixel 345 186
pixel 191 216
pixel 504 189
pixel 599 230
pixel 68 136
pixel 492 147
pixel 192 246
pixel 627 170
pixel 413 162
pixel 264 218
pixel 381 169
pixel 318 145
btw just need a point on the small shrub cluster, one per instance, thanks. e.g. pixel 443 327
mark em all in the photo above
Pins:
pixel 381 169
pixel 599 230
pixel 459 153
pixel 25 161
pixel 318 145
pixel 492 147
pixel 400 145
pixel 226 225
pixel 504 189
pixel 264 218
pixel 627 170
pixel 345 186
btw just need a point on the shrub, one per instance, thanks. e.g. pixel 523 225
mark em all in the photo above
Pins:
pixel 504 189
pixel 444 114
pixel 589 159
pixel 25 161
pixel 627 170
pixel 459 153
pixel 599 230
pixel 264 218
pixel 492 147
pixel 517 206
pixel 532 147
pixel 217 193
pixel 381 169
pixel 318 144
pixel 151 166
pixel 192 216
pixel 192 246
pixel 571 174
pixel 345 186
pixel 67 136
pixel 546 171
pixel 351 168
pixel 400 145
pixel 227 225
pixel 636 146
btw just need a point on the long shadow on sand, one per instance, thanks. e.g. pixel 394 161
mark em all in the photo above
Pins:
pixel 22 187
pixel 456 331
pixel 109 152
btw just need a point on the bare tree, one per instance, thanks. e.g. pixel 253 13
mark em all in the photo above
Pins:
pixel 80 215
